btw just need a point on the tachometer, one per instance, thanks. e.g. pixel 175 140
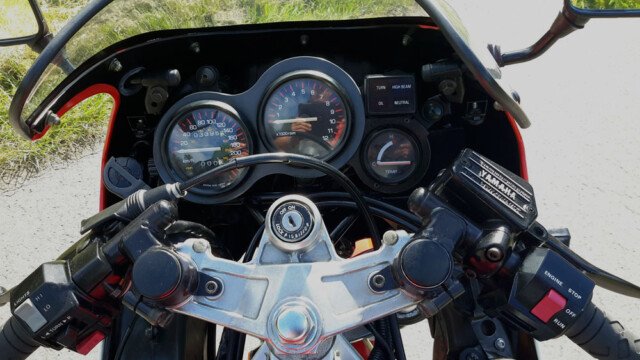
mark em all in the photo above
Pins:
pixel 203 136
pixel 306 114
pixel 391 156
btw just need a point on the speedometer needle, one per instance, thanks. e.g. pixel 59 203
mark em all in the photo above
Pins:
pixel 290 121
pixel 195 150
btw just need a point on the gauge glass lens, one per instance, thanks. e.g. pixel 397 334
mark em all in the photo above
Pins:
pixel 204 138
pixel 306 116
pixel 391 156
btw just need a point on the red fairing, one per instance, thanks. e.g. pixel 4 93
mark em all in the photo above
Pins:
pixel 524 173
pixel 429 27
pixel 80 97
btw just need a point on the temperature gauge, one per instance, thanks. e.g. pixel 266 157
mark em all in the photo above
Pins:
pixel 391 156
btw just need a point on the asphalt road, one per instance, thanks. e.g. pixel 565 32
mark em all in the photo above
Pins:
pixel 583 151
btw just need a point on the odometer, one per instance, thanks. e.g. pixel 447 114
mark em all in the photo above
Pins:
pixel 306 114
pixel 203 137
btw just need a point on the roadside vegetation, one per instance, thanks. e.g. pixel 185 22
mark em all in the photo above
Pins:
pixel 607 4
pixel 83 127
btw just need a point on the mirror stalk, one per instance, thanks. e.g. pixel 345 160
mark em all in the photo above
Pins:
pixel 565 23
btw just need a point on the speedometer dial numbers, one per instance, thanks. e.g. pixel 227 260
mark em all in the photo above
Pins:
pixel 301 105
pixel 205 136
pixel 306 114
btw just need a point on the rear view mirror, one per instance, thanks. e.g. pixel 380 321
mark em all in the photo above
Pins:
pixel 21 22
pixel 574 15
pixel 604 8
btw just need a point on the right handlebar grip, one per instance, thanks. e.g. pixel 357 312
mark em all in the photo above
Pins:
pixel 603 338
pixel 15 342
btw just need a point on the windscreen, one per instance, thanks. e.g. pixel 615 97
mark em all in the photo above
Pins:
pixel 122 19
pixel 475 55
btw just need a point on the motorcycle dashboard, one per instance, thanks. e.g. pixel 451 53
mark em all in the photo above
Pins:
pixel 303 105
pixel 349 92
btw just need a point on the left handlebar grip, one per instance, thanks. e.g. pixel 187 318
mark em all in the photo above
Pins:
pixel 15 342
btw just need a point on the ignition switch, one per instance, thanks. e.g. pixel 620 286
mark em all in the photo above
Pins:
pixel 292 222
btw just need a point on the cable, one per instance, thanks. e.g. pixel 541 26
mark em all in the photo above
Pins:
pixel 343 226
pixel 127 333
pixel 408 217
pixel 253 245
pixel 372 201
pixel 291 160
pixel 397 337
pixel 374 210
pixel 211 340
pixel 380 341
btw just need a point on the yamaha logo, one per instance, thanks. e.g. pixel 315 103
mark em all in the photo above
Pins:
pixel 507 191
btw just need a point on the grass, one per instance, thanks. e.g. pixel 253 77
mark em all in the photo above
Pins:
pixel 83 127
pixel 21 159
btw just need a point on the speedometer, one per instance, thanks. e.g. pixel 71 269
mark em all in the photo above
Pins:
pixel 203 136
pixel 306 113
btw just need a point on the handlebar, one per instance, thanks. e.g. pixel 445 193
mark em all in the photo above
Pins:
pixel 298 295
pixel 15 342
pixel 603 338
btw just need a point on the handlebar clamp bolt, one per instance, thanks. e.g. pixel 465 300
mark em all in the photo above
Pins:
pixel 200 246
pixel 390 238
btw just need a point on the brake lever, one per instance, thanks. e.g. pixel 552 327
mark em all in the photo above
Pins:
pixel 599 276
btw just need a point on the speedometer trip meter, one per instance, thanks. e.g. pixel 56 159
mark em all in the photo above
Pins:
pixel 392 156
pixel 306 114
pixel 202 137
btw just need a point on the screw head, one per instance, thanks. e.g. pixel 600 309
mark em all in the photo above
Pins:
pixel 115 65
pixel 494 254
pixel 378 281
pixel 500 344
pixel 214 288
pixel 390 238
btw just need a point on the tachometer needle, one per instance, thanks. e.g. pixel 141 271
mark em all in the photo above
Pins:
pixel 392 163
pixel 290 121
pixel 196 150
